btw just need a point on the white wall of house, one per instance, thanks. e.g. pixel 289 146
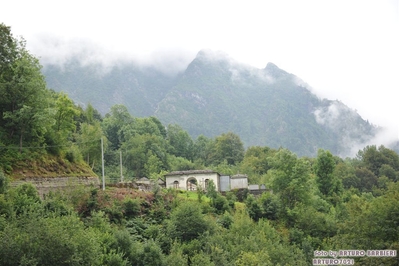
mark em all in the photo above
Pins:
pixel 178 180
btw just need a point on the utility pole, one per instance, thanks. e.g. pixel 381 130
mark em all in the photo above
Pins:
pixel 121 165
pixel 102 161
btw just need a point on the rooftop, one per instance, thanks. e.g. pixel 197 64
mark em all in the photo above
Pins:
pixel 190 172
pixel 239 176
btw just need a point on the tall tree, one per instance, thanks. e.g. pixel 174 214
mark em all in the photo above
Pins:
pixel 23 93
pixel 229 147
pixel 203 147
pixel 374 158
pixel 115 125
pixel 89 142
pixel 8 49
pixel 140 148
pixel 180 142
pixel 65 113
pixel 256 161
pixel 324 169
pixel 291 178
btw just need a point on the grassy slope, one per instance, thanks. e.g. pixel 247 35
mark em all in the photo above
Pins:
pixel 50 166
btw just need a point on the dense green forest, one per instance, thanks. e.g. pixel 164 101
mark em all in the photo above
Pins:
pixel 314 204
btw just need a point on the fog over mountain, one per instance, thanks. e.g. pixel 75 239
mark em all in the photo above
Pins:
pixel 214 94
pixel 353 59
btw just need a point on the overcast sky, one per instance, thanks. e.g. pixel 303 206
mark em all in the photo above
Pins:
pixel 346 50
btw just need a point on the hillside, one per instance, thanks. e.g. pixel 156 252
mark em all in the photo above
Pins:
pixel 216 94
pixel 139 89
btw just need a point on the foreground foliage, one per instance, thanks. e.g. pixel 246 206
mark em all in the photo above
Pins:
pixel 120 226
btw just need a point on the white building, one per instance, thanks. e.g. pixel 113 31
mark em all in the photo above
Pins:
pixel 238 181
pixel 192 179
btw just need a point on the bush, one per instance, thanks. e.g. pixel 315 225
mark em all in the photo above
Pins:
pixel 220 204
pixel 73 154
pixel 3 182
pixel 131 208
pixel 187 222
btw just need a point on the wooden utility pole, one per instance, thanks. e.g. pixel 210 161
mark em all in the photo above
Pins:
pixel 102 161
pixel 121 165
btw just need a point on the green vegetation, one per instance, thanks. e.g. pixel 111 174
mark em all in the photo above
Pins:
pixel 122 226
pixel 321 203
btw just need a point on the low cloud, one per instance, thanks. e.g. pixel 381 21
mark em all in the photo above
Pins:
pixel 354 133
pixel 53 50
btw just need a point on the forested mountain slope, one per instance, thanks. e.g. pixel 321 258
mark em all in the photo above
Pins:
pixel 138 88
pixel 216 94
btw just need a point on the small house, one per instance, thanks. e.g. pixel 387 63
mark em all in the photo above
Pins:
pixel 238 181
pixel 192 179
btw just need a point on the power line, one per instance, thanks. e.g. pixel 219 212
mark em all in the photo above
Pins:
pixel 47 146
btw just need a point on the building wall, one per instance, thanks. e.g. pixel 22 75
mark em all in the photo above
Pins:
pixel 224 183
pixel 237 183
pixel 200 177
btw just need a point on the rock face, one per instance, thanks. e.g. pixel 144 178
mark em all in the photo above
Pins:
pixel 46 184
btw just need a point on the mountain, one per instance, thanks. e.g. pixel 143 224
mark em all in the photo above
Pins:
pixel 216 94
pixel 140 89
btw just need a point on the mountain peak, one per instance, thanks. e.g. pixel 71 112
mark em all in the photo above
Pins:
pixel 211 55
pixel 271 66
pixel 275 71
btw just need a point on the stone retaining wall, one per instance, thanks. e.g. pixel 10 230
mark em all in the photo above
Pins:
pixel 46 184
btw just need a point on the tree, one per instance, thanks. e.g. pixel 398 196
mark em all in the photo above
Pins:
pixel 291 178
pixel 328 184
pixel 153 166
pixel 256 160
pixel 116 124
pixel 270 205
pixel 374 158
pixel 229 147
pixel 346 172
pixel 367 179
pixel 146 126
pixel 161 127
pixel 187 222
pixel 250 258
pixel 388 171
pixel 89 142
pixel 254 208
pixel 64 124
pixel 8 48
pixel 91 114
pixel 203 147
pixel 140 148
pixel 371 223
pixel 64 116
pixel 148 253
pixel 24 97
pixel 30 241
pixel 180 142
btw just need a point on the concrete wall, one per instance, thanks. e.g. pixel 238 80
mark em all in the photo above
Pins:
pixel 224 183
pixel 239 182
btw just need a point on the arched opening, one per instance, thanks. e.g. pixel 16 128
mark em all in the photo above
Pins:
pixel 192 184
pixel 206 184
pixel 176 184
